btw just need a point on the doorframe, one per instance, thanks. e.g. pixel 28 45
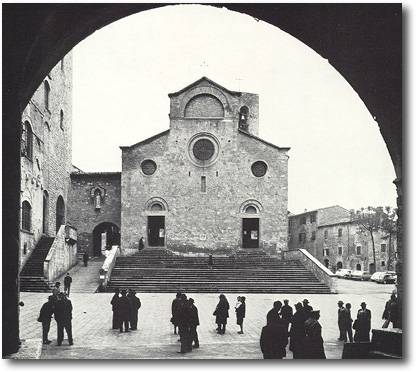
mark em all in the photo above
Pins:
pixel 147 229
pixel 247 216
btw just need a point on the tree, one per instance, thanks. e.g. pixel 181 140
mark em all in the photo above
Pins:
pixel 369 219
pixel 389 225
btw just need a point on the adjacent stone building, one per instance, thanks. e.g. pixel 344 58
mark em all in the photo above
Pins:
pixel 331 237
pixel 46 158
pixel 207 184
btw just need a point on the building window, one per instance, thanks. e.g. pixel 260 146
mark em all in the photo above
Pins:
pixel 203 184
pixel 97 199
pixel 60 212
pixel 243 116
pixel 156 207
pixel 303 220
pixel 259 168
pixel 61 120
pixel 203 149
pixel 339 233
pixel 326 234
pixel 313 237
pixel 313 218
pixel 325 252
pixel 45 212
pixel 47 90
pixel 27 143
pixel 302 237
pixel 148 167
pixel 26 216
pixel 251 210
pixel 25 248
pixel 383 248
pixel 383 263
pixel 358 249
pixel 340 251
pixel 339 265
pixel 358 267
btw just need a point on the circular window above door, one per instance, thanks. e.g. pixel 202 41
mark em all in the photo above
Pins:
pixel 203 149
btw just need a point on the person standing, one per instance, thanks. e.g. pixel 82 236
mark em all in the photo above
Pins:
pixel 85 258
pixel 174 318
pixel 363 324
pixel 273 339
pixel 210 262
pixel 349 321
pixel 141 243
pixel 193 323
pixel 241 313
pixel 67 284
pixel 390 313
pixel 56 290
pixel 135 305
pixel 306 306
pixel 286 312
pixel 273 314
pixel 183 320
pixel 297 332
pixel 342 321
pixel 114 303
pixel 63 318
pixel 313 344
pixel 221 314
pixel 45 317
pixel 123 310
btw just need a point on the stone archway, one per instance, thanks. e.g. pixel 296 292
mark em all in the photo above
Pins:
pixel 51 30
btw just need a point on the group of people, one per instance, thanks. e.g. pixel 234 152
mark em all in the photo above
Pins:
pixel 361 325
pixel 125 306
pixel 60 307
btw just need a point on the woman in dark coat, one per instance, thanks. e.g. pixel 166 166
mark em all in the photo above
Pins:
pixel 114 300
pixel 313 344
pixel 297 332
pixel 241 313
pixel 221 314
pixel 362 324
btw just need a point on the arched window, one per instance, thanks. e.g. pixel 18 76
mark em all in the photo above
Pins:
pixel 358 267
pixel 45 212
pixel 28 141
pixel 326 263
pixel 26 216
pixel 339 265
pixel 251 209
pixel 97 198
pixel 60 212
pixel 243 117
pixel 156 207
pixel 47 90
pixel 61 120
pixel 204 106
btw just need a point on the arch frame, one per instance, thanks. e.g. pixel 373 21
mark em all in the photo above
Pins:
pixel 156 200
pixel 251 203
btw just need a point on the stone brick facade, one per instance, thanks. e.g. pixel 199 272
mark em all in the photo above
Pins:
pixel 82 209
pixel 206 197
pixel 329 235
pixel 46 154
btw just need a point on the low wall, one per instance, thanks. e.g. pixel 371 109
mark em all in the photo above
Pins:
pixel 108 265
pixel 62 255
pixel 313 265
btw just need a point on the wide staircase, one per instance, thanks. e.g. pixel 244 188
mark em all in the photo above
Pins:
pixel 159 270
pixel 31 276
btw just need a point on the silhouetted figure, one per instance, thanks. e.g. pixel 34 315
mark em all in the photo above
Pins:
pixel 114 301
pixel 135 305
pixel 45 317
pixel 141 243
pixel 286 312
pixel 342 321
pixel 391 312
pixel 123 311
pixel 67 284
pixel 56 290
pixel 221 314
pixel 240 311
pixel 85 258
pixel 193 324
pixel 273 339
pixel 183 320
pixel 349 322
pixel 313 344
pixel 306 307
pixel 273 314
pixel 210 261
pixel 174 318
pixel 297 332
pixel 362 324
pixel 63 317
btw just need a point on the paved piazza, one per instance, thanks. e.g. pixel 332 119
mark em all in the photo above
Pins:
pixel 94 338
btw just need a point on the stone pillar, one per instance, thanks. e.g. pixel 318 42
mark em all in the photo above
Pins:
pixel 400 256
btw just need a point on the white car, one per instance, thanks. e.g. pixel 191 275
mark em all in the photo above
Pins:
pixel 375 277
pixel 343 273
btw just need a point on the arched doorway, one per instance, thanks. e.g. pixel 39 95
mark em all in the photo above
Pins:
pixel 339 265
pixel 104 236
pixel 60 212
pixel 326 263
pixel 358 267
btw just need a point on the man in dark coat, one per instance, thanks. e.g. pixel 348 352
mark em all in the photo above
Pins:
pixel 390 313
pixel 306 307
pixel 241 314
pixel 297 332
pixel 184 324
pixel 56 290
pixel 342 321
pixel 85 258
pixel 273 339
pixel 141 243
pixel 114 301
pixel 286 312
pixel 45 317
pixel 313 344
pixel 363 324
pixel 273 314
pixel 67 284
pixel 135 305
pixel 349 322
pixel 221 314
pixel 193 323
pixel 174 318
pixel 123 311
pixel 63 317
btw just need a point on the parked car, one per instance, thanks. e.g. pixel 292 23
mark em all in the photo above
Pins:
pixel 388 277
pixel 360 275
pixel 343 273
pixel 376 275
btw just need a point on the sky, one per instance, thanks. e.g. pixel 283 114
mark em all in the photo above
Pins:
pixel 124 72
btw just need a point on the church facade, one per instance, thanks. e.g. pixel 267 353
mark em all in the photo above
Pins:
pixel 207 184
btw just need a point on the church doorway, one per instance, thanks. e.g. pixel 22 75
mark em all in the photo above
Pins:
pixel 250 232
pixel 105 235
pixel 156 231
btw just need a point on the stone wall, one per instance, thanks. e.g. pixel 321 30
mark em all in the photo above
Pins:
pixel 82 213
pixel 47 172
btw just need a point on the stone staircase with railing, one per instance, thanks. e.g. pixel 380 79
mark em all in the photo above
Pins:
pixel 160 270
pixel 31 277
